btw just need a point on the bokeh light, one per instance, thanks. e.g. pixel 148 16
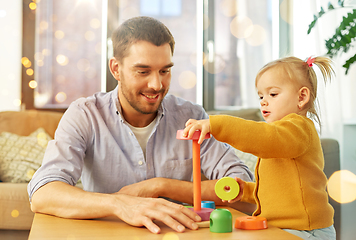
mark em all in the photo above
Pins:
pixel 95 23
pixel 39 56
pixel 17 102
pixel 62 60
pixel 61 97
pixel 46 52
pixel 15 213
pixel 89 35
pixel 32 6
pixel 229 7
pixel 170 236
pixel 29 72
pixel 257 37
pixel 342 186
pixel 187 79
pixel 285 11
pixel 240 27
pixel 43 25
pixel 59 34
pixel 32 84
pixel 40 63
pixel 26 62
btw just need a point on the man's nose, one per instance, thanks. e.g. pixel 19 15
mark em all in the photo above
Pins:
pixel 155 82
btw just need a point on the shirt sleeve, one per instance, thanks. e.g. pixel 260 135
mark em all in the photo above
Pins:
pixel 64 156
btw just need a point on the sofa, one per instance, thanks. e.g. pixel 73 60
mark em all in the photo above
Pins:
pixel 15 213
pixel 23 138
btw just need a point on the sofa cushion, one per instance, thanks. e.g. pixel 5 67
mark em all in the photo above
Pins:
pixel 21 156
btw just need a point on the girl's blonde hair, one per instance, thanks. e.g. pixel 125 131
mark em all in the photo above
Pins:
pixel 302 73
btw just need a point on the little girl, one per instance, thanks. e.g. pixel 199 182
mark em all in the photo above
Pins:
pixel 290 188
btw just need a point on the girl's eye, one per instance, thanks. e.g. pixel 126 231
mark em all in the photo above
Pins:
pixel 273 94
pixel 260 97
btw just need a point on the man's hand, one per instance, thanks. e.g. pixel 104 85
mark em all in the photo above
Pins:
pixel 139 211
pixel 63 200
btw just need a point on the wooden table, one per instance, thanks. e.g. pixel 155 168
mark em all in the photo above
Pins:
pixel 49 227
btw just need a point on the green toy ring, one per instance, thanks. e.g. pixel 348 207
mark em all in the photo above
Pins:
pixel 221 191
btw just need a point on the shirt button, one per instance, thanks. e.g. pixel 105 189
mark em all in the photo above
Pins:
pixel 140 163
pixel 131 133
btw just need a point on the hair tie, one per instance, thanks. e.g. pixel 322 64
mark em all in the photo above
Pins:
pixel 310 61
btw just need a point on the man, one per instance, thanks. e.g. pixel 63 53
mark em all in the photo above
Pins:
pixel 122 143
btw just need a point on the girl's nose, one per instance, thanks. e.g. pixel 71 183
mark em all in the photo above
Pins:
pixel 263 102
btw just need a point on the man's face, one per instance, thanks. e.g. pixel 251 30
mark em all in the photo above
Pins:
pixel 144 77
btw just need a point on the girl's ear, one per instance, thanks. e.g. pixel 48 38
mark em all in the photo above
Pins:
pixel 114 68
pixel 303 97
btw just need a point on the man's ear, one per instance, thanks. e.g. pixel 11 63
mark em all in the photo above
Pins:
pixel 114 68
pixel 303 97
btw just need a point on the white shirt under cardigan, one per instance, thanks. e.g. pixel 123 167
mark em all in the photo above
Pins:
pixel 93 141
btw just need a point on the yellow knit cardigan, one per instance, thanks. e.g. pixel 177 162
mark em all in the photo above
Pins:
pixel 290 188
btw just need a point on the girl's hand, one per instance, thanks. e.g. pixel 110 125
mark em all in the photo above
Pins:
pixel 193 125
pixel 239 196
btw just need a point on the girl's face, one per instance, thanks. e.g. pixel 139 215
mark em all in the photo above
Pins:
pixel 278 95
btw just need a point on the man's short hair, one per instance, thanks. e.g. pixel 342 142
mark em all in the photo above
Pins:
pixel 140 29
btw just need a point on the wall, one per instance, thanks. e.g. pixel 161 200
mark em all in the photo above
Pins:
pixel 10 57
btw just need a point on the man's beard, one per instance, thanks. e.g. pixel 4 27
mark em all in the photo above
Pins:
pixel 130 98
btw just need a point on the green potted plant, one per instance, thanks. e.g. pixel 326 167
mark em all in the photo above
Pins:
pixel 344 35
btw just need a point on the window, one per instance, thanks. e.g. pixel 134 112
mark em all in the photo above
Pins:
pixel 220 45
pixel 67 51
pixel 237 45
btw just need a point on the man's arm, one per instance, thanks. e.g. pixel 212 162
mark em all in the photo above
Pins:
pixel 181 191
pixel 63 200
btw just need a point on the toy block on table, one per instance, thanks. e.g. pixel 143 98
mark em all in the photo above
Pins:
pixel 221 221
pixel 251 223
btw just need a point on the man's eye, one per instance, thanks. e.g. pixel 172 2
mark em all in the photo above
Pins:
pixel 165 71
pixel 142 72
